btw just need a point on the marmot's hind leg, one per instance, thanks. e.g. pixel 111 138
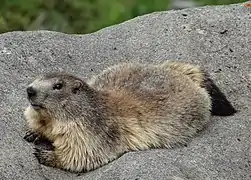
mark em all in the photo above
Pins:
pixel 192 71
pixel 220 105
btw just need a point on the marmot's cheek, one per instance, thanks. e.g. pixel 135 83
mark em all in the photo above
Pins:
pixel 28 111
pixel 30 114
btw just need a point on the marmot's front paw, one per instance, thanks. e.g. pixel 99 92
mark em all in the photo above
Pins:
pixel 31 136
pixel 45 157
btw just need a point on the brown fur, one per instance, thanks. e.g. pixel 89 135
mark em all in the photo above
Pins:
pixel 194 72
pixel 125 108
pixel 220 104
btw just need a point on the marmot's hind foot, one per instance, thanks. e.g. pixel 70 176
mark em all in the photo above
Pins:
pixel 45 157
pixel 220 105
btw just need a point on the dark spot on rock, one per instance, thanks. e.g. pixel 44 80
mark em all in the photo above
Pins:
pixel 231 50
pixel 184 14
pixel 238 139
pixel 69 55
pixel 53 53
pixel 185 145
pixel 114 48
pixel 218 70
pixel 91 69
pixel 223 32
pixel 21 165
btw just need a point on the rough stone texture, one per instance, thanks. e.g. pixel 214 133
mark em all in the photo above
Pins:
pixel 218 38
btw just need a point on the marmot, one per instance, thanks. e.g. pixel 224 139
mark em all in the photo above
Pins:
pixel 127 107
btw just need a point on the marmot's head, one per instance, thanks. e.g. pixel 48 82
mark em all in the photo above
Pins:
pixel 57 93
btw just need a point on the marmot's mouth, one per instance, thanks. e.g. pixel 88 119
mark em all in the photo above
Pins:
pixel 37 106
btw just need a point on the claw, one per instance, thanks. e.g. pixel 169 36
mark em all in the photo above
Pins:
pixel 31 136
pixel 37 140
pixel 45 157
pixel 39 155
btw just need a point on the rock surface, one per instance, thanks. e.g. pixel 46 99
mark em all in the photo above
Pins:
pixel 217 38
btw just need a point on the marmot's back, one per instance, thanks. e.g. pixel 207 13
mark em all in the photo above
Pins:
pixel 139 78
pixel 154 102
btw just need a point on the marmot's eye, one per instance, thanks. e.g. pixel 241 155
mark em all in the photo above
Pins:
pixel 58 86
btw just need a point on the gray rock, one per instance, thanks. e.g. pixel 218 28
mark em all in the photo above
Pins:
pixel 218 38
pixel 182 4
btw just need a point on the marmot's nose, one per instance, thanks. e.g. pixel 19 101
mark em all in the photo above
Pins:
pixel 31 92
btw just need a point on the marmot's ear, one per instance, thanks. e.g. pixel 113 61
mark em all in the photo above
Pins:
pixel 78 85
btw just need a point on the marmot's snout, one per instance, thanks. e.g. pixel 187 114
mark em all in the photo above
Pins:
pixel 33 98
pixel 31 92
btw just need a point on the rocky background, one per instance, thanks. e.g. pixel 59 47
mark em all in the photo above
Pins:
pixel 218 38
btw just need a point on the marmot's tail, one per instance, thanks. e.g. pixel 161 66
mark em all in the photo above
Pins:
pixel 220 105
